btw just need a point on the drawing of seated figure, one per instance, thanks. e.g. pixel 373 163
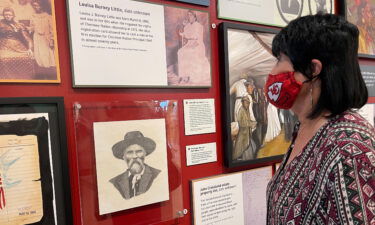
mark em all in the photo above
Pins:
pixel 193 65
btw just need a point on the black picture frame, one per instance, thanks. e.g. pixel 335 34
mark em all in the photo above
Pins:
pixel 344 13
pixel 56 146
pixel 228 100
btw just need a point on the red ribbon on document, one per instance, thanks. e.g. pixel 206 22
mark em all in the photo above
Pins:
pixel 2 195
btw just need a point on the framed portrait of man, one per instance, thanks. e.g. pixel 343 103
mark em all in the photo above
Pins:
pixel 131 164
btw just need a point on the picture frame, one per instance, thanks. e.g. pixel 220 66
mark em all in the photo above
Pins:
pixel 44 119
pixel 261 134
pixel 276 13
pixel 129 117
pixel 361 14
pixel 29 52
pixel 175 42
pixel 196 2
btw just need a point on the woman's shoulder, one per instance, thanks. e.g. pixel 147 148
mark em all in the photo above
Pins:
pixel 352 124
pixel 353 137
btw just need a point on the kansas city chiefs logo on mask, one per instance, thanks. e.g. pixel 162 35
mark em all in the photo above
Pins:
pixel 274 91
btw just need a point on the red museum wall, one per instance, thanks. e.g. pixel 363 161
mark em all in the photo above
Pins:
pixel 72 95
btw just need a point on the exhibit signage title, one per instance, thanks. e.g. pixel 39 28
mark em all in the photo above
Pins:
pixel 112 8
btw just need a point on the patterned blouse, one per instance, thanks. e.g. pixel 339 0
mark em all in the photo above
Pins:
pixel 332 181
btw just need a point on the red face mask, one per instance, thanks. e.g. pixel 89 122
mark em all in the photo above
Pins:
pixel 282 89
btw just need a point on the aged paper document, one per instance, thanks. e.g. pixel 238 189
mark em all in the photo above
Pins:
pixel 20 186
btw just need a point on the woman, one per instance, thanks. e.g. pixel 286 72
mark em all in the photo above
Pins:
pixel 193 65
pixel 42 29
pixel 327 175
pixel 15 49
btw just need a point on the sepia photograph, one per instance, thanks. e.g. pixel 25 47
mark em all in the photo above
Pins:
pixel 188 47
pixel 362 14
pixel 131 164
pixel 28 44
pixel 257 130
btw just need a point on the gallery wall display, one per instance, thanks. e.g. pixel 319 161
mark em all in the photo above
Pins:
pixel 362 14
pixel 235 198
pixel 274 13
pixel 254 130
pixel 34 174
pixel 128 161
pixel 28 50
pixel 124 43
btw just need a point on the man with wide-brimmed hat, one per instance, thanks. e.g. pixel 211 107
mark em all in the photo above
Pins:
pixel 138 178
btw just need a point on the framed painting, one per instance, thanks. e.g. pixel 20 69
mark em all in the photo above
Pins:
pixel 362 14
pixel 255 132
pixel 28 50
pixel 34 173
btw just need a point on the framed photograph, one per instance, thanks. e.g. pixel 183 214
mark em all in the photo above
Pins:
pixel 33 162
pixel 122 36
pixel 275 13
pixel 140 146
pixel 28 49
pixel 254 130
pixel 362 14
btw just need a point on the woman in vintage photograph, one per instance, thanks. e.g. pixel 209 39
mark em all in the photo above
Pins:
pixel 327 175
pixel 42 33
pixel 15 48
pixel 193 65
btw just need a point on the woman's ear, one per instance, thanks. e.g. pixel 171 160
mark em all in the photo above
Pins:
pixel 316 67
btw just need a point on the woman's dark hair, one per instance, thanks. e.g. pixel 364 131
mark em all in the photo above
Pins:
pixel 334 42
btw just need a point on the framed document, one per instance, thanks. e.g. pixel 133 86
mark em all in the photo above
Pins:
pixel 361 13
pixel 33 162
pixel 125 43
pixel 234 198
pixel 254 130
pixel 274 13
pixel 28 51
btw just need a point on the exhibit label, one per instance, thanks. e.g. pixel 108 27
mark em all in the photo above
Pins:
pixel 199 116
pixel 199 154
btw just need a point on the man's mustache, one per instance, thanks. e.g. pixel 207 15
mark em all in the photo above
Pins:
pixel 136 160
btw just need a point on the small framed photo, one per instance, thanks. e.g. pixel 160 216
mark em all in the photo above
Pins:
pixel 33 162
pixel 255 131
pixel 361 13
pixel 28 49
